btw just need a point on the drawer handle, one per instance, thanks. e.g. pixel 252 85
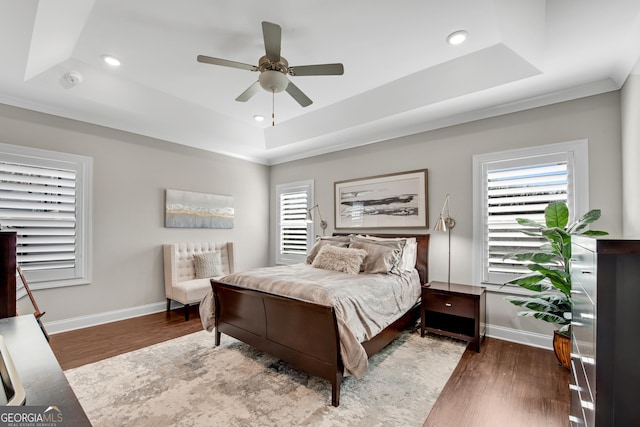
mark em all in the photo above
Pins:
pixel 586 272
pixel 448 304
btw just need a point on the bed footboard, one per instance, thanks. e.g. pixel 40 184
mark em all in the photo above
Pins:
pixel 302 334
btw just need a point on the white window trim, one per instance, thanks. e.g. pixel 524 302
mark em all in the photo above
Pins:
pixel 290 187
pixel 580 178
pixel 40 157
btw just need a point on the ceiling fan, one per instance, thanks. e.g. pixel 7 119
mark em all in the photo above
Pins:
pixel 274 68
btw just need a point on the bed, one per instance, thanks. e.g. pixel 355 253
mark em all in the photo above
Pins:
pixel 310 333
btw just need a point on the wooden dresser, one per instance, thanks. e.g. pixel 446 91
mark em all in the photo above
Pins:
pixel 605 341
pixel 39 371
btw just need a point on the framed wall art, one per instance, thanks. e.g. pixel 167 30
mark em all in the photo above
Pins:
pixel 188 209
pixel 385 201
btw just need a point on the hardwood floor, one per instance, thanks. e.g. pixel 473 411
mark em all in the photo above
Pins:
pixel 82 346
pixel 506 384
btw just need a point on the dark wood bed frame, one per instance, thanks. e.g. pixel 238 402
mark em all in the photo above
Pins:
pixel 302 334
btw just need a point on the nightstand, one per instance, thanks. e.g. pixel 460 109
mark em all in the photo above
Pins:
pixel 454 310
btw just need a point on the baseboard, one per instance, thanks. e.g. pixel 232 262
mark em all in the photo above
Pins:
pixel 521 337
pixel 55 327
pixel 73 323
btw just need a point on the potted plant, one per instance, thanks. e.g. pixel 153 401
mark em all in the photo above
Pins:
pixel 550 277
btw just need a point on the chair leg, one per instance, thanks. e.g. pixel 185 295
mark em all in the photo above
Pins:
pixel 168 305
pixel 186 312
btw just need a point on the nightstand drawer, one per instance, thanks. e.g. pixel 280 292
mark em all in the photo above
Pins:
pixel 450 304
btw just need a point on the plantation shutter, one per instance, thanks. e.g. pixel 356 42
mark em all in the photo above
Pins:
pixel 294 232
pixel 45 199
pixel 520 188
pixel 293 229
pixel 39 204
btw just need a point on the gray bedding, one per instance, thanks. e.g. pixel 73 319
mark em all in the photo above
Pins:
pixel 365 304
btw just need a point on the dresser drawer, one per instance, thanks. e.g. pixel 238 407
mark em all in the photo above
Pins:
pixel 583 271
pixel 457 305
pixel 583 323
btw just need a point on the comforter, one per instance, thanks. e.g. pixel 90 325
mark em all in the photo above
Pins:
pixel 364 304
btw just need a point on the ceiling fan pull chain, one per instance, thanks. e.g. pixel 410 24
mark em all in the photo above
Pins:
pixel 273 107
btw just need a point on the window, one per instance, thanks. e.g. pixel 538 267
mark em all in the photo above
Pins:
pixel 44 197
pixel 294 236
pixel 520 184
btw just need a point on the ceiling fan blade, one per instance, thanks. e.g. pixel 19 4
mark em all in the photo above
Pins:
pixel 247 94
pixel 317 70
pixel 226 63
pixel 298 95
pixel 272 34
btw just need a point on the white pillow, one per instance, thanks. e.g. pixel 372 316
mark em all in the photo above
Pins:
pixel 409 255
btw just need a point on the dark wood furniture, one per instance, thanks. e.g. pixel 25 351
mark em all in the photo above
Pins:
pixel 455 310
pixel 7 274
pixel 303 334
pixel 43 380
pixel 605 276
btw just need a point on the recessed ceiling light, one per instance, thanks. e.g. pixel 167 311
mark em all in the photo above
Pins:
pixel 258 118
pixel 457 37
pixel 111 60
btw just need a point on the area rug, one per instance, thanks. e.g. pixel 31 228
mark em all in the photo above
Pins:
pixel 189 382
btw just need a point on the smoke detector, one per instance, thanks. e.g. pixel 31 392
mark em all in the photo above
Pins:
pixel 74 78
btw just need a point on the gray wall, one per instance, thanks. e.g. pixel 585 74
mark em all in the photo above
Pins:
pixel 130 174
pixel 447 153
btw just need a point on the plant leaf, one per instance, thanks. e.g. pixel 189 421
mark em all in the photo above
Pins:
pixel 537 257
pixel 531 282
pixel 558 277
pixel 556 215
pixel 594 233
pixel 547 317
pixel 585 220
pixel 528 223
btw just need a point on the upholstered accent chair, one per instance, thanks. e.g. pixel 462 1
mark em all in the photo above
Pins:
pixel 189 267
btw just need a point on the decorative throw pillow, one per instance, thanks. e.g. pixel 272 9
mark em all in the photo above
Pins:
pixel 380 258
pixel 340 241
pixel 207 265
pixel 347 260
pixel 395 244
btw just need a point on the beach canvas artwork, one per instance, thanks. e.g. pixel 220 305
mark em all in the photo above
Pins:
pixel 188 209
pixel 386 201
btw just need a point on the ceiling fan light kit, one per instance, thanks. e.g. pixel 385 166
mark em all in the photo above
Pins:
pixel 274 69
pixel 273 81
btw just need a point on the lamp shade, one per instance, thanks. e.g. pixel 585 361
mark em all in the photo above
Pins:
pixel 441 224
pixel 444 222
pixel 273 81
